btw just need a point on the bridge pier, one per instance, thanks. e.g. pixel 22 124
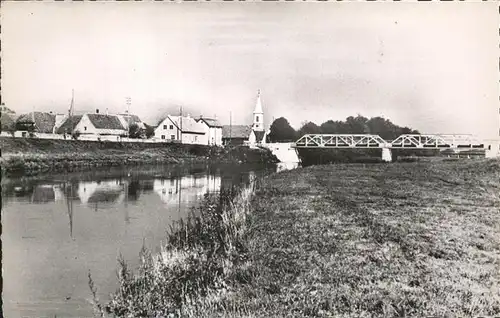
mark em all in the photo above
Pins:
pixel 386 154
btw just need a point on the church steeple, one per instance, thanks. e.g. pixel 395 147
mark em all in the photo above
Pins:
pixel 258 115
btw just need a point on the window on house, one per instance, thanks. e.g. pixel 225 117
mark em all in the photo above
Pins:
pixel 257 126
pixel 257 118
pixel 171 126
pixel 172 137
pixel 162 136
pixel 85 128
pixel 195 138
pixel 164 126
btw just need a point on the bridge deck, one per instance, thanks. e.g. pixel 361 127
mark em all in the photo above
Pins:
pixel 367 141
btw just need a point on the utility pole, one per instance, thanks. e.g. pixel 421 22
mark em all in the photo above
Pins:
pixel 181 125
pixel 128 101
pixel 230 126
pixel 70 112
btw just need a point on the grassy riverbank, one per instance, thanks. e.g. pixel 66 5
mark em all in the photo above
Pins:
pixel 404 239
pixel 34 156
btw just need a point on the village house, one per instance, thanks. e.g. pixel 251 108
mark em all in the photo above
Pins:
pixel 213 130
pixel 236 134
pixel 93 124
pixel 68 125
pixel 129 119
pixel 40 122
pixel 183 129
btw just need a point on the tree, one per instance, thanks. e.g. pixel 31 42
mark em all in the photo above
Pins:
pixel 357 125
pixel 134 131
pixel 281 131
pixel 150 131
pixel 334 127
pixel 308 128
pixel 8 125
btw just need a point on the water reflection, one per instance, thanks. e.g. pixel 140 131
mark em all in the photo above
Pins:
pixel 59 227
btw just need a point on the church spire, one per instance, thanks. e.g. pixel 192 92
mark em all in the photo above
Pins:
pixel 258 105
pixel 258 115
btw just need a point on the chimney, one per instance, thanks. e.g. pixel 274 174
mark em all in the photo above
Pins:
pixel 97 111
pixel 106 111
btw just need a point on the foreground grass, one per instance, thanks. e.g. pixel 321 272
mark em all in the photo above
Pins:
pixel 393 240
pixel 377 240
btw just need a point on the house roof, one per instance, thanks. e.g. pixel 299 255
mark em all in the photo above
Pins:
pixel 189 124
pixel 69 125
pixel 44 122
pixel 211 122
pixel 131 119
pixel 236 131
pixel 101 121
pixel 259 135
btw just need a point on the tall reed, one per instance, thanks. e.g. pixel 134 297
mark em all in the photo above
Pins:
pixel 203 258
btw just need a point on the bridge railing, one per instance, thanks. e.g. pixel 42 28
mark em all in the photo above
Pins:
pixel 436 141
pixel 413 141
pixel 341 141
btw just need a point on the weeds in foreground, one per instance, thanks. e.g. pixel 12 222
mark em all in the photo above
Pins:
pixel 205 255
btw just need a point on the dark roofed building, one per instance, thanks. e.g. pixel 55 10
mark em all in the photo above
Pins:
pixel 128 120
pixel 69 125
pixel 42 122
pixel 235 134
pixel 101 121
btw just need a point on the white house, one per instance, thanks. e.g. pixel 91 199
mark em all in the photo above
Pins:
pixel 93 124
pixel 184 129
pixel 213 130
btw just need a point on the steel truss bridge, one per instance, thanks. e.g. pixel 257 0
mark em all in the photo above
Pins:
pixel 410 141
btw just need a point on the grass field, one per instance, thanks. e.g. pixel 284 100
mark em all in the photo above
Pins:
pixel 354 240
pixel 377 240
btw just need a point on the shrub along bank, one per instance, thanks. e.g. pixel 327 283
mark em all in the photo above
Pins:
pixel 406 239
pixel 33 156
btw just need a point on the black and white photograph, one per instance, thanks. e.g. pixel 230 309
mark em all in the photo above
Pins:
pixel 249 159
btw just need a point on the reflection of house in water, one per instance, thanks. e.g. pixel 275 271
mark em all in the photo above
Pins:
pixel 101 191
pixel 47 193
pixel 186 189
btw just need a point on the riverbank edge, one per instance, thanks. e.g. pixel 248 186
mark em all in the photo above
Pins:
pixel 202 259
pixel 34 157
pixel 401 267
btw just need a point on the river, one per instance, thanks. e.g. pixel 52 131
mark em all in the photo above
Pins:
pixel 57 228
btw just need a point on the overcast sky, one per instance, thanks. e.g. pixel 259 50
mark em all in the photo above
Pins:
pixel 431 66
